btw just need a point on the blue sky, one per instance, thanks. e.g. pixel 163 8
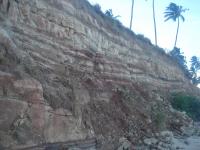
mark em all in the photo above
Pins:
pixel 189 32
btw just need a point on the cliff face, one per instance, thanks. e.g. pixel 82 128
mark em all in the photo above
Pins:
pixel 67 73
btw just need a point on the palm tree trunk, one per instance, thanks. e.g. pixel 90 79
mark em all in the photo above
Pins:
pixel 131 14
pixel 154 19
pixel 176 33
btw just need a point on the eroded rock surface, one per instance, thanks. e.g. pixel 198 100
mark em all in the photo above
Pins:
pixel 67 73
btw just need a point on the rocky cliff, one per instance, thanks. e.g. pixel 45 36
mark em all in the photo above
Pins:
pixel 68 73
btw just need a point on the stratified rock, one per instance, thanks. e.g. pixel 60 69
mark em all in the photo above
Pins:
pixel 68 73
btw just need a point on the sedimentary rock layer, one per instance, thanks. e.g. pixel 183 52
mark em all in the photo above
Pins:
pixel 64 70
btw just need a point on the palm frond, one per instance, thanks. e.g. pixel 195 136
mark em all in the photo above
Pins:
pixel 174 12
pixel 183 19
pixel 168 12
pixel 167 19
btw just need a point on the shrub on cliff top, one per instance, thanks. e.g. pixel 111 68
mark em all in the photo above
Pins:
pixel 98 10
pixel 143 38
pixel 189 104
pixel 110 14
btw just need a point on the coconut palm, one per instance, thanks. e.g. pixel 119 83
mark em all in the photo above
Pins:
pixel 131 21
pixel 175 12
pixel 154 20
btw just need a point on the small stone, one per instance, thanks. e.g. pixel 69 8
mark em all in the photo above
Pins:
pixel 124 144
pixel 150 141
pixel 166 134
pixel 186 142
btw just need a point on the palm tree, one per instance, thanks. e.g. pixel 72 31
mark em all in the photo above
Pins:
pixel 174 12
pixel 131 21
pixel 154 20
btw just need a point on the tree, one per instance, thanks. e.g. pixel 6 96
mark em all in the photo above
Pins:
pixel 97 8
pixel 195 67
pixel 195 62
pixel 110 14
pixel 154 20
pixel 174 12
pixel 191 73
pixel 179 57
pixel 131 21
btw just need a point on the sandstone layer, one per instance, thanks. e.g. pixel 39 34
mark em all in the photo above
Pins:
pixel 68 73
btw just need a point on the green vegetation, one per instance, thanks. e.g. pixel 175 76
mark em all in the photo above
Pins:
pixel 174 12
pixel 97 9
pixel 158 116
pixel 194 69
pixel 179 57
pixel 109 13
pixel 159 119
pixel 191 73
pixel 187 103
pixel 143 38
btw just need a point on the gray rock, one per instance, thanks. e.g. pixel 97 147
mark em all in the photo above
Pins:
pixel 124 144
pixel 150 141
